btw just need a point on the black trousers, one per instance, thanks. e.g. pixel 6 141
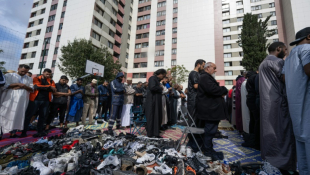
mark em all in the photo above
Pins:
pixel 210 128
pixel 32 108
pixel 102 108
pixel 252 122
pixel 257 127
pixel 54 110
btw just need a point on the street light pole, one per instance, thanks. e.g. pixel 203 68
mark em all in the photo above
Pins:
pixel 44 52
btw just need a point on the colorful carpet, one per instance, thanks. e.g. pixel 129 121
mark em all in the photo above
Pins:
pixel 231 147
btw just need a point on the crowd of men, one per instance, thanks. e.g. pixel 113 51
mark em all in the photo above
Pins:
pixel 268 106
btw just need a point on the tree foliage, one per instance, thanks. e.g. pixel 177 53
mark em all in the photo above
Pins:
pixel 179 74
pixel 75 54
pixel 2 63
pixel 254 40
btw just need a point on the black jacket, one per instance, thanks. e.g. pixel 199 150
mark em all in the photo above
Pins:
pixel 210 105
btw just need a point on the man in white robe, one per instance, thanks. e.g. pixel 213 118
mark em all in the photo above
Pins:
pixel 245 109
pixel 128 103
pixel 164 100
pixel 14 100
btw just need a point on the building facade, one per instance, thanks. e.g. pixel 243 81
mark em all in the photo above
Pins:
pixel 55 22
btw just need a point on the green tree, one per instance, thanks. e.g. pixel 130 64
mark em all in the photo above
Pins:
pixel 254 41
pixel 75 54
pixel 2 63
pixel 179 74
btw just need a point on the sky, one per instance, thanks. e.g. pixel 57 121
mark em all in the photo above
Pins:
pixel 14 16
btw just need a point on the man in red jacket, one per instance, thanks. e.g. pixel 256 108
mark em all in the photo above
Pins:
pixel 39 100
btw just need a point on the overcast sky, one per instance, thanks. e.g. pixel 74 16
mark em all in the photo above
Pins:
pixel 14 16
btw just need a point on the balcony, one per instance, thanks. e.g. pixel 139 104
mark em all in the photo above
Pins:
pixel 115 59
pixel 118 39
pixel 121 9
pixel 123 2
pixel 116 49
pixel 120 18
pixel 118 28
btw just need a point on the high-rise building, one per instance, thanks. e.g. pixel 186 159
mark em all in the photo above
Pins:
pixel 105 22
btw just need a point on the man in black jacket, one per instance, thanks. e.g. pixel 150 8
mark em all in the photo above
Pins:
pixel 210 106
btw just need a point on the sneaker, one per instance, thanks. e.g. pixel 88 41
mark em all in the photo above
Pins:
pixel 173 152
pixel 43 169
pixel 183 150
pixel 163 169
pixel 180 168
pixel 190 171
pixel 111 160
pixel 52 164
pixel 95 122
pixel 61 164
pixel 147 159
pixel 189 152
pixel 202 158
pixel 42 140
pixel 72 163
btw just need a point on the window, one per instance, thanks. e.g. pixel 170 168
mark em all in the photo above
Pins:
pixel 239 27
pixel 228 82
pixel 175 10
pixel 110 45
pixel 239 3
pixel 255 0
pixel 144 35
pixel 63 14
pixel 42 65
pixel 259 15
pixel 33 14
pixel 226 21
pixel 51 18
pixel 65 4
pixel 225 13
pixel 239 19
pixel 36 43
pixel 130 18
pixel 112 22
pixel 142 1
pixel 159 63
pixel 129 27
pixel 160 53
pixel 273 13
pixel 276 31
pixel 173 62
pixel 114 11
pixel 24 56
pixel 54 7
pixel 96 36
pixel 58 38
pixel 28 35
pixel 99 10
pixel 161 13
pixel 174 40
pixel 145 45
pixel 144 64
pixel 161 4
pixel 161 23
pixel 275 40
pixel 239 10
pixel 40 21
pixel 160 32
pixel 35 5
pixel 136 65
pixel 225 38
pixel 60 26
pixel 139 75
pixel 141 18
pixel 174 51
pixel 258 7
pixel 225 6
pixel 141 9
pixel 226 30
pixel 49 29
pixel 33 54
pixel 111 33
pixel 42 11
pixel 227 64
pixel 175 20
pixel 160 42
pixel 26 45
pixel 138 46
pixel 271 5
pixel 137 55
pixel 46 52
pixel 45 1
pixel 98 23
pixel 47 40
pixel 228 73
pixel 115 2
pixel 143 26
pixel 53 63
pixel 241 54
pixel 31 65
pixel 56 51
pixel 175 30
pixel 103 1
pixel 227 55
pixel 31 24
pixel 227 46
pixel 38 32
pixel 273 22
pixel 175 1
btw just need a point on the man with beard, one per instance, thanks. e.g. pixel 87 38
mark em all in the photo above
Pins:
pixel 277 138
pixel 164 102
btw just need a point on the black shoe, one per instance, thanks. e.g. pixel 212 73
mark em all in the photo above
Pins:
pixel 110 132
pixel 24 134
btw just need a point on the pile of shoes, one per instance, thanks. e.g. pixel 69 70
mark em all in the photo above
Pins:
pixel 80 151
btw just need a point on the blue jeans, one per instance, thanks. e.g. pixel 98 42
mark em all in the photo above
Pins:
pixel 32 108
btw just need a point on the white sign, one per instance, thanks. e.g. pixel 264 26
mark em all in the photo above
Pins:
pixel 94 68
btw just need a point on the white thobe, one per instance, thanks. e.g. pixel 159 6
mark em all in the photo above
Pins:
pixel 128 103
pixel 165 116
pixel 13 103
pixel 245 109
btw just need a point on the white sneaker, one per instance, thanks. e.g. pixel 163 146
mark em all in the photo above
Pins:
pixel 61 164
pixel 173 152
pixel 13 170
pixel 43 169
pixel 163 169
pixel 52 164
pixel 183 150
pixel 72 163
pixel 146 159
pixel 189 152
pixel 111 160
pixel 95 122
